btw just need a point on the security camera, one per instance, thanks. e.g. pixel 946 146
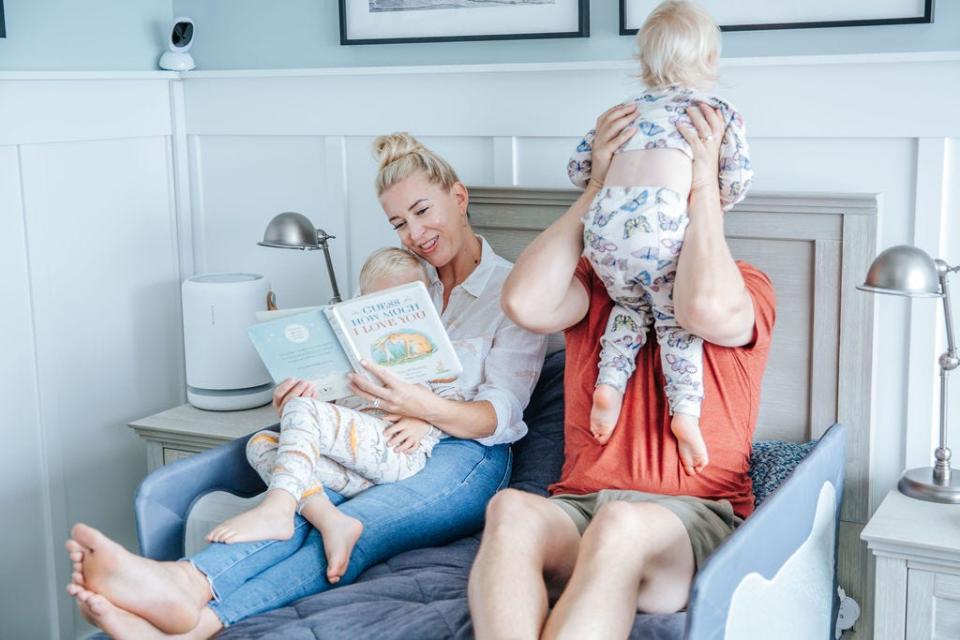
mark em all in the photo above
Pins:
pixel 179 43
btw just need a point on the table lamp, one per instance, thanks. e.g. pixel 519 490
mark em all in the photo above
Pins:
pixel 291 230
pixel 905 270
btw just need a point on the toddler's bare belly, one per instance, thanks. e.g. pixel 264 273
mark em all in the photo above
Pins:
pixel 669 168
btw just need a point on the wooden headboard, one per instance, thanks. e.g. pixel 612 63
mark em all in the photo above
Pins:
pixel 815 248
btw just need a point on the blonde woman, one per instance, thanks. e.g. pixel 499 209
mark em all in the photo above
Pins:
pixel 425 202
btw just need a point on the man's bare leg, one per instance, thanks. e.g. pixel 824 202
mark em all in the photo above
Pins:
pixel 169 595
pixel 527 542
pixel 120 624
pixel 632 556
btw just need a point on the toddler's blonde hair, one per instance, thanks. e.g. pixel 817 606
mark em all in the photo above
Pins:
pixel 400 155
pixel 389 261
pixel 678 43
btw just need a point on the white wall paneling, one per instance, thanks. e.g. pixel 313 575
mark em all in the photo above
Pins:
pixel 91 285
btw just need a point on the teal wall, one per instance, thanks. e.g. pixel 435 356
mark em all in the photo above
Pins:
pixel 89 35
pixel 240 34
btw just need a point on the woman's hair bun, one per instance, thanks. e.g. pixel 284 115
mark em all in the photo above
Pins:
pixel 392 147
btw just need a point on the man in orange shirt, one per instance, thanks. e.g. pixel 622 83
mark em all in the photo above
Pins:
pixel 626 527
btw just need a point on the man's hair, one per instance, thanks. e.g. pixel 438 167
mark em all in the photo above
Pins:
pixel 678 43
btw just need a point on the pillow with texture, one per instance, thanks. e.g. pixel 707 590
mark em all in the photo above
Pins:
pixel 772 461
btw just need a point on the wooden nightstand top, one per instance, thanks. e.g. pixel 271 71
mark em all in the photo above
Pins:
pixel 905 526
pixel 211 426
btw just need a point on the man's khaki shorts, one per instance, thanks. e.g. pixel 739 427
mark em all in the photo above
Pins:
pixel 708 522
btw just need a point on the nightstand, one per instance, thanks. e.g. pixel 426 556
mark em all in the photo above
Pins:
pixel 185 430
pixel 917 546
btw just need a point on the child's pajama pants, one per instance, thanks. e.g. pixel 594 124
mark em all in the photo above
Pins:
pixel 632 237
pixel 324 445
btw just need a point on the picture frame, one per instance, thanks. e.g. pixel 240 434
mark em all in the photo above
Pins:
pixel 3 27
pixel 811 14
pixel 403 21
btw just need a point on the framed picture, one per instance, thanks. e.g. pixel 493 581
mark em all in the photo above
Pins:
pixel 390 21
pixel 750 15
pixel 3 28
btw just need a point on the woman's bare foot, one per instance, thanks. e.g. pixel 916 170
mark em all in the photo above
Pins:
pixel 605 412
pixel 690 444
pixel 272 519
pixel 169 595
pixel 120 624
pixel 338 530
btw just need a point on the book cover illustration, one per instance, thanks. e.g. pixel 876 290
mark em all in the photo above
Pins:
pixel 304 346
pixel 400 329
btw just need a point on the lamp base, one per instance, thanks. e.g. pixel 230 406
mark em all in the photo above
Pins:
pixel 918 483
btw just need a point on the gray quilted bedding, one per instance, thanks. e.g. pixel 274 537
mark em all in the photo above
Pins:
pixel 422 594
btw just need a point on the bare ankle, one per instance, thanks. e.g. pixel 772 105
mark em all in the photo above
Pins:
pixel 198 584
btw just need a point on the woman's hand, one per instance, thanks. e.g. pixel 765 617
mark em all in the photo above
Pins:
pixel 292 388
pixel 613 129
pixel 704 139
pixel 405 434
pixel 394 395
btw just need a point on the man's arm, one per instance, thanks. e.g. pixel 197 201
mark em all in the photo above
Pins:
pixel 709 296
pixel 541 293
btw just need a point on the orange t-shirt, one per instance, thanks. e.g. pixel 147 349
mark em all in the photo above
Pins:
pixel 642 453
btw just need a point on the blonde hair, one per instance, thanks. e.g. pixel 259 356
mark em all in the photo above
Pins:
pixel 678 43
pixel 389 261
pixel 400 155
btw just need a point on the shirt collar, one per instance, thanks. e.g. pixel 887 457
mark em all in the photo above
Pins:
pixel 478 278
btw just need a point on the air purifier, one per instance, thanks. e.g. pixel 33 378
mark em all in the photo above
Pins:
pixel 224 372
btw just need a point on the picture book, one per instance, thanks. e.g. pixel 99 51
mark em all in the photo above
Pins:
pixel 397 328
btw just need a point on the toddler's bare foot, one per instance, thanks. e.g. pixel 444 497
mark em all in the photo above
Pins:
pixel 690 444
pixel 168 595
pixel 272 519
pixel 605 412
pixel 338 530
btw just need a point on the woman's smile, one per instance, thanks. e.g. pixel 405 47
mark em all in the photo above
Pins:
pixel 429 246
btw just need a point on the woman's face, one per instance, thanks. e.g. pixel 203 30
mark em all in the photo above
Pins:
pixel 430 220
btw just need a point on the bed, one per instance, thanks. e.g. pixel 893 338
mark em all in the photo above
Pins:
pixel 776 577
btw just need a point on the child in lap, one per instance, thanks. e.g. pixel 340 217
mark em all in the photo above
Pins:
pixel 344 446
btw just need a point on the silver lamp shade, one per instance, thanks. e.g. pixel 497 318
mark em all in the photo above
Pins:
pixel 903 270
pixel 291 230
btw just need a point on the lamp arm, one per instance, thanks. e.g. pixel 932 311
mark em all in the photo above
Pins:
pixel 951 355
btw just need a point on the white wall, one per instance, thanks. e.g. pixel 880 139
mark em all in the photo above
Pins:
pixel 88 249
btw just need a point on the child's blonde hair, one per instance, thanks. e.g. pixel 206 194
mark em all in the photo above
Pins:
pixel 678 43
pixel 389 261
pixel 400 155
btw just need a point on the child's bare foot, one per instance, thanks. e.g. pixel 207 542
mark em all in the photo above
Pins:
pixel 168 595
pixel 338 530
pixel 605 412
pixel 272 519
pixel 690 444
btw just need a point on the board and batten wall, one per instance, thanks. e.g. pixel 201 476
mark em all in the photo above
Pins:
pixel 91 324
pixel 115 186
pixel 261 142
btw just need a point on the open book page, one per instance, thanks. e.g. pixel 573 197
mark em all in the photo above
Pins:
pixel 304 346
pixel 400 329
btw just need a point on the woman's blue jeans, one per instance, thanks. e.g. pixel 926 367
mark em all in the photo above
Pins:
pixel 445 501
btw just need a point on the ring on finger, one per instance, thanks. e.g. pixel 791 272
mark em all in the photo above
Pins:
pixel 706 138
pixel 376 403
